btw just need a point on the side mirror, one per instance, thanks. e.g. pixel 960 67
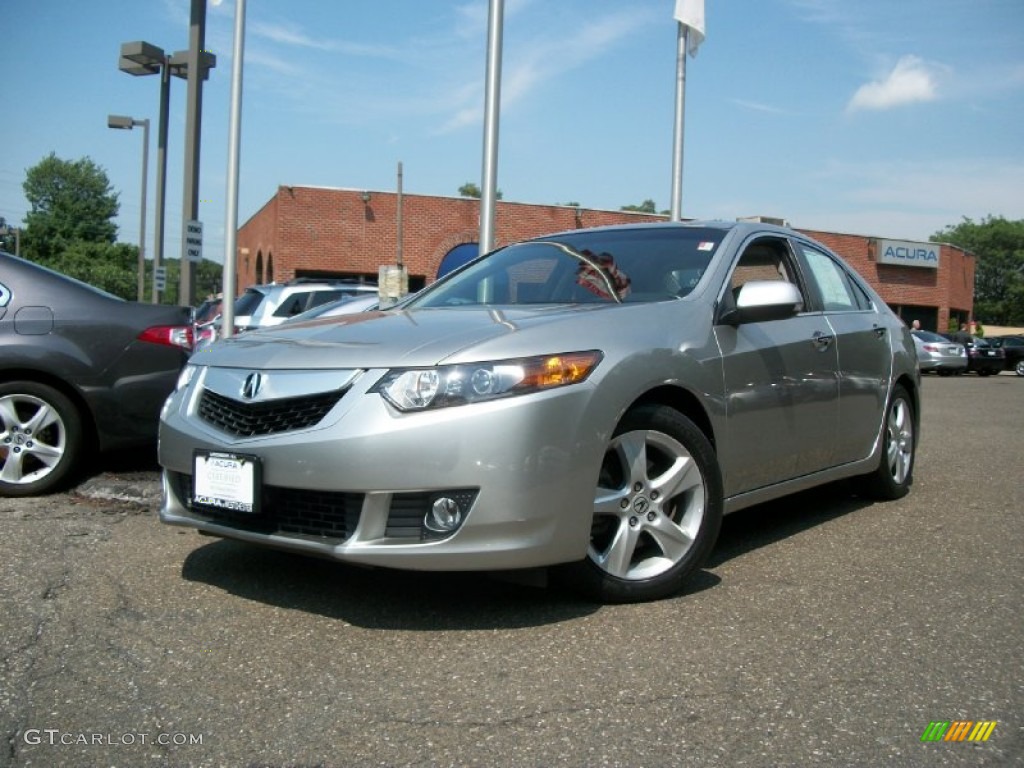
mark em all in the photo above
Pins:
pixel 761 300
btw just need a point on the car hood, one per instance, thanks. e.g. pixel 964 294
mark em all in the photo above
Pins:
pixel 425 337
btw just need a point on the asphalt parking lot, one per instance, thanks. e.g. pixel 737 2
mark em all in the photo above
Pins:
pixel 826 630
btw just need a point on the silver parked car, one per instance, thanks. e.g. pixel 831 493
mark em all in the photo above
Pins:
pixel 939 354
pixel 593 400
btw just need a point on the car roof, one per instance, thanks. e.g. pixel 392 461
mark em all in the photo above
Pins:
pixel 741 229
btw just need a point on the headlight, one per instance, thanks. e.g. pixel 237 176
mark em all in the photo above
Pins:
pixel 187 374
pixel 417 389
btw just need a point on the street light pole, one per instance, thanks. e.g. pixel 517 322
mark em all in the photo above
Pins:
pixel 234 150
pixel 142 58
pixel 193 122
pixel 161 175
pixel 492 115
pixel 127 123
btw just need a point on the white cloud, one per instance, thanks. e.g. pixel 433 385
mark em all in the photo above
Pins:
pixel 545 57
pixel 911 80
pixel 289 34
pixel 757 106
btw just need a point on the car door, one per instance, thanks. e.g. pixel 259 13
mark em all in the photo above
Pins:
pixel 864 348
pixel 780 382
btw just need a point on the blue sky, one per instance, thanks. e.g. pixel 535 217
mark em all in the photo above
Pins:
pixel 880 118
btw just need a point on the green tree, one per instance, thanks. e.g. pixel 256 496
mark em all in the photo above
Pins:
pixel 647 206
pixel 109 266
pixel 469 189
pixel 70 202
pixel 998 245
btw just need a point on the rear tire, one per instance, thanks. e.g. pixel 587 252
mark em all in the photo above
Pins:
pixel 657 509
pixel 895 472
pixel 41 441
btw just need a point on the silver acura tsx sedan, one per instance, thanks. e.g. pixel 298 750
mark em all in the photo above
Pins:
pixel 593 401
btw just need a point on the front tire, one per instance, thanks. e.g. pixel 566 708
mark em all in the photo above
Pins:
pixel 657 509
pixel 895 472
pixel 40 439
pixel 1019 367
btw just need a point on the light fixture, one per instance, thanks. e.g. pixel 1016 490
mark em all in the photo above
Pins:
pixel 365 197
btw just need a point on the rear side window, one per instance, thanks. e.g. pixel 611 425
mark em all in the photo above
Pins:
pixel 838 292
pixel 300 301
pixel 248 302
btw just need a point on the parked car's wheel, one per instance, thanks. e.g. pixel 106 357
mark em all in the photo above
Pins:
pixel 40 441
pixel 1019 367
pixel 984 373
pixel 657 509
pixel 895 470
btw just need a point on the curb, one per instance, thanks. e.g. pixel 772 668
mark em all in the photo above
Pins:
pixel 141 488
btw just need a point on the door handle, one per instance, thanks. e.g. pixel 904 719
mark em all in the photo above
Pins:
pixel 821 340
pixel 880 331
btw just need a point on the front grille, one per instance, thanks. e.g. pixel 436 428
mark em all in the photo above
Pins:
pixel 330 515
pixel 266 418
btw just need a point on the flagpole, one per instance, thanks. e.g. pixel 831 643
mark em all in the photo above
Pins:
pixel 492 109
pixel 229 287
pixel 676 211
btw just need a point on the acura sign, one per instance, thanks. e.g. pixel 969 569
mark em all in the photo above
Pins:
pixel 908 254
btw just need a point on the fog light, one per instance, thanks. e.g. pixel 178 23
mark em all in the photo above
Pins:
pixel 445 515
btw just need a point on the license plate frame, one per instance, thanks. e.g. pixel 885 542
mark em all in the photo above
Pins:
pixel 227 482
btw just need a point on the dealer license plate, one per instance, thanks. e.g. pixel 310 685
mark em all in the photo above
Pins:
pixel 227 481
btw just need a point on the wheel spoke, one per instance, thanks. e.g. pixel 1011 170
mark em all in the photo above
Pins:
pixel 681 476
pixel 617 559
pixel 8 415
pixel 632 448
pixel 673 541
pixel 608 501
pixel 12 469
pixel 42 418
pixel 47 454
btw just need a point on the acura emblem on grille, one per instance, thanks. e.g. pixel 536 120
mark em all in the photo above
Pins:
pixel 252 385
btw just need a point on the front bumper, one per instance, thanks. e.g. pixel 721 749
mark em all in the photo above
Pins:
pixel 356 485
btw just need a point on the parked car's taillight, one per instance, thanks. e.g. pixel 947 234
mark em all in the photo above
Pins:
pixel 171 335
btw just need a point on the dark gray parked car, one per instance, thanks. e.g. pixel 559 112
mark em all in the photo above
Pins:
pixel 81 371
pixel 594 400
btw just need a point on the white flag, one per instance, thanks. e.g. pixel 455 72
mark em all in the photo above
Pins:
pixel 691 13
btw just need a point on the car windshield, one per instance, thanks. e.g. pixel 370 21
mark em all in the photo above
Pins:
pixel 607 266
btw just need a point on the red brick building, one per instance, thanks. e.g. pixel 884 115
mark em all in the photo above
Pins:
pixel 321 232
